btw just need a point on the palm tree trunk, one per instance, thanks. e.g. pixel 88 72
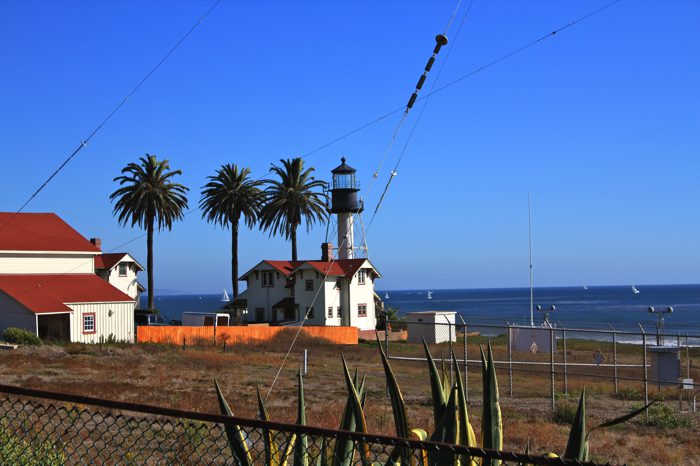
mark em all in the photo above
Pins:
pixel 294 243
pixel 149 261
pixel 234 259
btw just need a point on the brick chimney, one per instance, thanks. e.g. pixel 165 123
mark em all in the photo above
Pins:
pixel 326 252
pixel 97 242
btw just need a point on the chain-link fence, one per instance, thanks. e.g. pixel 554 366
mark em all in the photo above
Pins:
pixel 551 362
pixel 44 428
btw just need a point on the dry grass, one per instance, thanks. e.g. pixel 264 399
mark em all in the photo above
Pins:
pixel 167 375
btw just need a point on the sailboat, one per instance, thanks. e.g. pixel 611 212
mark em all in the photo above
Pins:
pixel 386 295
pixel 635 290
pixel 224 297
pixel 585 287
pixel 430 295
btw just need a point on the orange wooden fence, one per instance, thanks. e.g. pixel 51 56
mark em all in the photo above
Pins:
pixel 240 334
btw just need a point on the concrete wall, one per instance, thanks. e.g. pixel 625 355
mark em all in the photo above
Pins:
pixel 120 323
pixel 43 263
pixel 13 314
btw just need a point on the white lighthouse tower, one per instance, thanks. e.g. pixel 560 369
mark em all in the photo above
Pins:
pixel 345 203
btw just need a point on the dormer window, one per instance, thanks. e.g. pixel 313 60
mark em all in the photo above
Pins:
pixel 122 269
pixel 361 275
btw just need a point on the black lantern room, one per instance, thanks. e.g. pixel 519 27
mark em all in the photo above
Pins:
pixel 344 192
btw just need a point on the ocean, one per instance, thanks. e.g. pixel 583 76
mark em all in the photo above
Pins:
pixel 597 307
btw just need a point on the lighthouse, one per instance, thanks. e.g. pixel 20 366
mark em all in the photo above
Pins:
pixel 345 203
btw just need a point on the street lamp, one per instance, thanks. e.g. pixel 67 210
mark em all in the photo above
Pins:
pixel 546 310
pixel 660 322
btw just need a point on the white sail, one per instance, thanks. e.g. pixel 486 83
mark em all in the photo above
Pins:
pixel 224 297
pixel 386 295
pixel 430 295
pixel 635 290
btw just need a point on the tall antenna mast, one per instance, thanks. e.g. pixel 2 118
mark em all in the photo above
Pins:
pixel 529 237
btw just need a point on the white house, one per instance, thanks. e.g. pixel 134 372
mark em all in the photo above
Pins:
pixel 120 270
pixel 328 292
pixel 48 283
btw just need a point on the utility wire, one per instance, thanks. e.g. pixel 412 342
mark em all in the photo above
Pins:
pixel 84 142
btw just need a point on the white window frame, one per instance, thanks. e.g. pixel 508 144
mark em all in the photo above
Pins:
pixel 306 285
pixel 339 311
pixel 362 310
pixel 330 312
pixel 126 269
pixel 267 279
pixel 90 322
pixel 361 276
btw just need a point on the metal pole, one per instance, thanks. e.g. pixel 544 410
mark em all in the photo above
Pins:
pixel 566 377
pixel 687 356
pixel 449 329
pixel 510 362
pixel 646 379
pixel 615 359
pixel 386 336
pixel 551 365
pixel 466 379
pixel 306 361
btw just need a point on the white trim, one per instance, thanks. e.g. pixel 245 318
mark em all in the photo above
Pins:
pixel 49 313
pixel 26 251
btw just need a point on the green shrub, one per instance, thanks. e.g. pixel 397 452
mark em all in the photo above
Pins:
pixel 564 413
pixel 629 393
pixel 20 336
pixel 665 417
pixel 15 449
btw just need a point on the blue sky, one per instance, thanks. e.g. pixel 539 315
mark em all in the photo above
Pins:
pixel 599 123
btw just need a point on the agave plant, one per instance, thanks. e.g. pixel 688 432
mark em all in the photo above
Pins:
pixel 450 416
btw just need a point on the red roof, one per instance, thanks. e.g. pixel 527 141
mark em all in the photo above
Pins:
pixel 107 261
pixel 285 267
pixel 40 232
pixel 50 293
pixel 340 267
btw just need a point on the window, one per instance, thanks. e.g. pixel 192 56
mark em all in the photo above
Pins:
pixel 310 312
pixel 268 279
pixel 361 310
pixel 339 311
pixel 337 284
pixel 330 312
pixel 122 269
pixel 309 285
pixel 361 277
pixel 89 323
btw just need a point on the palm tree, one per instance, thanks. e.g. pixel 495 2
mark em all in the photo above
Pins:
pixel 292 198
pixel 230 195
pixel 148 197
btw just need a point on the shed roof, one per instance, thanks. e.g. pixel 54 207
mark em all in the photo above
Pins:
pixel 50 293
pixel 40 232
pixel 109 260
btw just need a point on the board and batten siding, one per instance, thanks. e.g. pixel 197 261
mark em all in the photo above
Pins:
pixel 12 262
pixel 120 323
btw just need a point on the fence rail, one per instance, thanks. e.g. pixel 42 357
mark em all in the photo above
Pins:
pixel 550 361
pixel 34 429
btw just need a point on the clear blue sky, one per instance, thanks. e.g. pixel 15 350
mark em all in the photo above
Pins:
pixel 600 123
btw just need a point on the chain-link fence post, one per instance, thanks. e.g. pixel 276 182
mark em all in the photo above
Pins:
pixel 566 377
pixel 614 337
pixel 551 365
pixel 466 378
pixel 387 327
pixel 644 362
pixel 510 362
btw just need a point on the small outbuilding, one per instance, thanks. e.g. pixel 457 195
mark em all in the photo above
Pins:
pixel 434 326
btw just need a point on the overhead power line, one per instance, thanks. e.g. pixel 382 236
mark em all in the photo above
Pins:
pixel 105 120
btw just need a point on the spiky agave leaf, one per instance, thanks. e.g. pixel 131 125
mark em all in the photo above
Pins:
pixel 466 432
pixel 446 431
pixel 423 454
pixel 439 399
pixel 301 449
pixel 344 447
pixel 235 435
pixel 271 448
pixel 358 412
pixel 576 445
pixel 398 406
pixel 491 422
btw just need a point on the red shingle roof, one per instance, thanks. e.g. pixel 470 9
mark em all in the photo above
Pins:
pixel 40 232
pixel 340 267
pixel 285 267
pixel 50 293
pixel 107 261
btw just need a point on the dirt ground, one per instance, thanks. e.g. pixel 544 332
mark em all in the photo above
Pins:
pixel 171 376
